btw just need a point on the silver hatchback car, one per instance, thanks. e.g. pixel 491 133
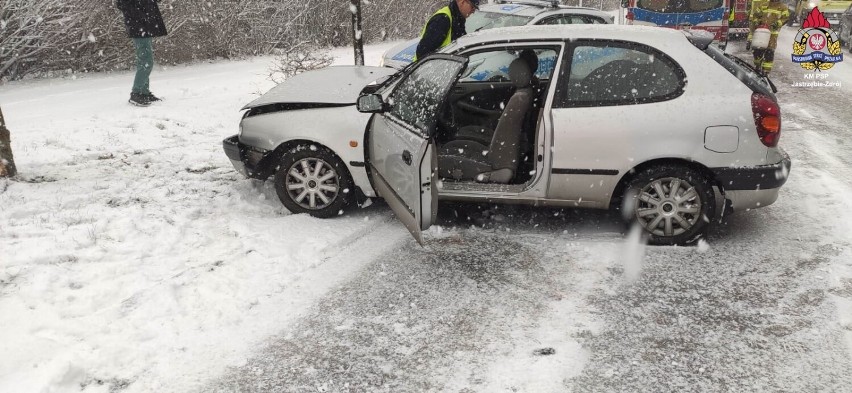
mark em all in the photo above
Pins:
pixel 654 121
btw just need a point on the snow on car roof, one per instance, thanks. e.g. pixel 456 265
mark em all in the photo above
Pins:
pixel 567 32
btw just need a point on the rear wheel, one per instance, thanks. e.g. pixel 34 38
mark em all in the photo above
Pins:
pixel 672 204
pixel 313 180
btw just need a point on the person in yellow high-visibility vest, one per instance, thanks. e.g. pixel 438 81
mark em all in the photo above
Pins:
pixel 445 26
pixel 772 15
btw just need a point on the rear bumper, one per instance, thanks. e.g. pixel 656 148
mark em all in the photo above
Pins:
pixel 753 187
pixel 761 177
pixel 247 160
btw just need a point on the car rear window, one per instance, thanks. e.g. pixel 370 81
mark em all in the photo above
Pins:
pixel 481 20
pixel 679 6
pixel 740 69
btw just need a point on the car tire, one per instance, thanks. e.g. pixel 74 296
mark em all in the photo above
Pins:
pixel 312 179
pixel 673 204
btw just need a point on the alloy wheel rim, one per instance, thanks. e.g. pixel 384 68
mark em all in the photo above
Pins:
pixel 312 183
pixel 668 207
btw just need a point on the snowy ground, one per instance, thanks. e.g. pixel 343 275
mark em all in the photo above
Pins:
pixel 132 253
pixel 133 258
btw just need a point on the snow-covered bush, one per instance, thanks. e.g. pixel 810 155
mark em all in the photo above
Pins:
pixel 298 58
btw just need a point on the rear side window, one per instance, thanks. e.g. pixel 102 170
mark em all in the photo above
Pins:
pixel 679 6
pixel 610 73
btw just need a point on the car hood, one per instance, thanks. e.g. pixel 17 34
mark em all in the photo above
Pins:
pixel 330 85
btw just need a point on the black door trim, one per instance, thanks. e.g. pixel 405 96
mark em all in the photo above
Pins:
pixel 573 171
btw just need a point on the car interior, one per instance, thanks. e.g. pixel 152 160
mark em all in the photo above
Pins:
pixel 487 130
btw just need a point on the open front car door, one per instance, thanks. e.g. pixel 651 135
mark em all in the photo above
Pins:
pixel 402 157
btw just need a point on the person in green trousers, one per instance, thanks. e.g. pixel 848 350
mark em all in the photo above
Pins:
pixel 143 22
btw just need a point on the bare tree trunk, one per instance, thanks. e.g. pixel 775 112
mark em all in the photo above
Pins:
pixel 357 40
pixel 7 161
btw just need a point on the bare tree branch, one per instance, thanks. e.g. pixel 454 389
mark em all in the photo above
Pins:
pixel 41 36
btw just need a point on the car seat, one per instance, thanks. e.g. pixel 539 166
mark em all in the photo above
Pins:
pixel 483 134
pixel 497 162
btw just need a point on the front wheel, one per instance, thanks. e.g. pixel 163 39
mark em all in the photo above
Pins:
pixel 313 180
pixel 672 204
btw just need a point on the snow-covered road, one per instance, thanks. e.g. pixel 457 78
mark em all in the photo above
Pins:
pixel 131 253
pixel 134 259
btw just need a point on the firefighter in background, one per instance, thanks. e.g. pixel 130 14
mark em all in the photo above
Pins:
pixel 754 7
pixel 772 15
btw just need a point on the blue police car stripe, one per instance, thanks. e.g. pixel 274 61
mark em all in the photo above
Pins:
pixel 669 19
pixel 515 8
pixel 407 54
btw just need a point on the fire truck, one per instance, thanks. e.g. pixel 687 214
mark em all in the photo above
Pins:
pixel 708 15
pixel 738 19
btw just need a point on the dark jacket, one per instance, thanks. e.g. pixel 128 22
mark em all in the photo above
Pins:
pixel 436 31
pixel 142 18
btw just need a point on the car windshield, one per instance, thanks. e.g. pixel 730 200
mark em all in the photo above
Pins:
pixel 489 20
pixel 679 6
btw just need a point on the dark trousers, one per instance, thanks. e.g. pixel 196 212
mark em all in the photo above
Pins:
pixel 144 64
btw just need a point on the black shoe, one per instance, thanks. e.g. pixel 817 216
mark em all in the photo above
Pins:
pixel 152 98
pixel 139 99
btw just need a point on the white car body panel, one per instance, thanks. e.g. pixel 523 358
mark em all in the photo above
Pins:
pixel 607 138
pixel 332 127
pixel 332 85
pixel 401 184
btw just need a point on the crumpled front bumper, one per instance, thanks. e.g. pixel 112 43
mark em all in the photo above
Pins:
pixel 247 160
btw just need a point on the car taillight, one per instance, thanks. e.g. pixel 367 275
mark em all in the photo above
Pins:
pixel 767 118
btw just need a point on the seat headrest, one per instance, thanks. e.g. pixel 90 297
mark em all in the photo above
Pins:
pixel 519 73
pixel 531 58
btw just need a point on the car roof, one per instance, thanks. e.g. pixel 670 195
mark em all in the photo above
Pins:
pixel 643 34
pixel 534 8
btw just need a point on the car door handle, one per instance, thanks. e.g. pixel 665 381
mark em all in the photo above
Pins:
pixel 406 157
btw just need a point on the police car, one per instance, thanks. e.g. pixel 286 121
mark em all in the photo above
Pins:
pixel 508 13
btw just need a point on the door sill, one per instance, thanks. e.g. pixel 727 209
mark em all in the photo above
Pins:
pixel 474 187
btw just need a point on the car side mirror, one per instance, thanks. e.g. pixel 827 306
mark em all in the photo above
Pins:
pixel 371 103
